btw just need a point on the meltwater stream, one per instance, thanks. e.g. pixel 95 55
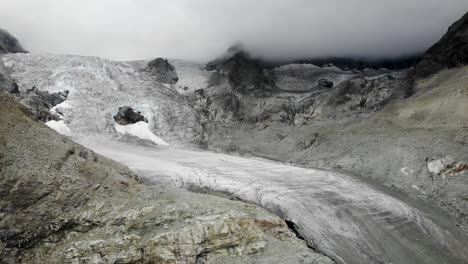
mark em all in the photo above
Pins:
pixel 345 219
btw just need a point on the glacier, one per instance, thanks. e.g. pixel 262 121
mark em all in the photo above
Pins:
pixel 340 216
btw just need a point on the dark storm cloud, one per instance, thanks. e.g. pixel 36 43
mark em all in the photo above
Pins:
pixel 202 29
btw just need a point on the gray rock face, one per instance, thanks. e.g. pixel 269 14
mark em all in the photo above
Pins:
pixel 6 83
pixel 40 102
pixel 9 44
pixel 162 70
pixel 325 83
pixel 127 115
pixel 363 94
pixel 245 75
pixel 451 51
pixel 352 97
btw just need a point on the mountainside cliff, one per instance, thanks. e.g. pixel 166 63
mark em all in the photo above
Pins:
pixel 451 51
pixel 9 44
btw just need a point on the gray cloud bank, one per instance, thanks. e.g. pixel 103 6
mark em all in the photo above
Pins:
pixel 202 29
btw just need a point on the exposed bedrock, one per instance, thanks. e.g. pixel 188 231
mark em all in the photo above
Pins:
pixel 162 70
pixel 9 44
pixel 6 83
pixel 245 75
pixel 126 115
pixel 40 103
pixel 451 51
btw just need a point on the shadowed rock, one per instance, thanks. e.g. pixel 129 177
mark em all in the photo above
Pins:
pixel 127 115
pixel 451 51
pixel 9 44
pixel 6 83
pixel 40 102
pixel 325 83
pixel 163 71
pixel 244 73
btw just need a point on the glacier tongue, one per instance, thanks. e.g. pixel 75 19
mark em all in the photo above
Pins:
pixel 347 220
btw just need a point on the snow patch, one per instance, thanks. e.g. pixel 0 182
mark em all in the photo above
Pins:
pixel 406 171
pixel 60 127
pixel 140 130
pixel 333 68
pixel 58 109
pixel 295 66
pixel 192 76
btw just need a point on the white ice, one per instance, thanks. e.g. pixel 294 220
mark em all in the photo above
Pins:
pixel 60 127
pixel 140 130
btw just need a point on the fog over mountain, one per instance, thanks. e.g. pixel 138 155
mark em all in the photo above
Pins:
pixel 203 29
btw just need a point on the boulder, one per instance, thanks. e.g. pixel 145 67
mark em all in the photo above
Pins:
pixel 127 115
pixel 324 83
pixel 40 103
pixel 447 166
pixel 162 70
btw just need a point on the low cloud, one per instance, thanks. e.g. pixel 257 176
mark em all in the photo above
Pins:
pixel 202 29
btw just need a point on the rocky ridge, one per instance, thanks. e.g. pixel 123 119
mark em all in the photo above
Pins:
pixel 451 51
pixel 9 44
pixel 162 71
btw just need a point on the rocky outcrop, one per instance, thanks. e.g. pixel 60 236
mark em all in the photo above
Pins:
pixel 364 94
pixel 9 44
pixel 244 73
pixel 127 115
pixel 451 51
pixel 162 70
pixel 447 167
pixel 324 83
pixel 62 203
pixel 41 102
pixel 6 83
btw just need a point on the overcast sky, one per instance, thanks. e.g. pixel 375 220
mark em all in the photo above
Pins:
pixel 202 29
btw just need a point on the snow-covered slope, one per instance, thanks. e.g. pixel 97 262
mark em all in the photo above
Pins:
pixel 98 87
pixel 192 76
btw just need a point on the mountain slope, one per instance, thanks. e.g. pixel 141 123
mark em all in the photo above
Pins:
pixel 9 44
pixel 451 51
pixel 382 126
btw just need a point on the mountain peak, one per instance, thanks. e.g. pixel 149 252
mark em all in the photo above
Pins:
pixel 9 44
pixel 451 50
